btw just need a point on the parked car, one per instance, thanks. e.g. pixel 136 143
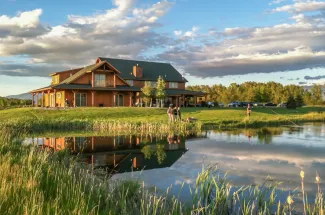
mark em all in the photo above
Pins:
pixel 270 104
pixel 283 105
pixel 220 104
pixel 258 104
pixel 234 104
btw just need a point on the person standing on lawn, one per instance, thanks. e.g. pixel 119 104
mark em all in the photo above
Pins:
pixel 175 114
pixel 179 116
pixel 249 110
pixel 170 113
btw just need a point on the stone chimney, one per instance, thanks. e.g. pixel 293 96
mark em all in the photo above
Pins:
pixel 137 71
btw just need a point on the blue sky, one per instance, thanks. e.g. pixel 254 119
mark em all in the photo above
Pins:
pixel 210 41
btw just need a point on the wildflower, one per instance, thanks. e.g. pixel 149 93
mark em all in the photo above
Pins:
pixel 317 179
pixel 289 200
pixel 302 174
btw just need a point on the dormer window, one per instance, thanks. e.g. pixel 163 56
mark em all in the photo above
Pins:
pixel 100 80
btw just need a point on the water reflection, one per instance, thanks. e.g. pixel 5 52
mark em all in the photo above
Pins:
pixel 118 154
pixel 250 155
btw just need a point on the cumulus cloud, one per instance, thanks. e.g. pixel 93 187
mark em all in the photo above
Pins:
pixel 301 6
pixel 124 31
pixel 25 24
pixel 314 77
pixel 127 31
pixel 283 47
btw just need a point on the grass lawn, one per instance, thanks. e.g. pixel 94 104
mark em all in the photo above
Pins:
pixel 205 115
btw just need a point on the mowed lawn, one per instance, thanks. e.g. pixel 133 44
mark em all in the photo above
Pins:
pixel 206 115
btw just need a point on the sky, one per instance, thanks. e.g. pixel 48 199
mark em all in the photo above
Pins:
pixel 208 41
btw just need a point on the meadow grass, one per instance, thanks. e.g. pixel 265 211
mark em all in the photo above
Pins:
pixel 38 182
pixel 152 119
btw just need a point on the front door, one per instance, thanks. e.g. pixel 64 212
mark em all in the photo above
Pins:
pixel 81 99
pixel 120 100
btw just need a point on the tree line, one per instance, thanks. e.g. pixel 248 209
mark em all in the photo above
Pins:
pixel 10 102
pixel 261 92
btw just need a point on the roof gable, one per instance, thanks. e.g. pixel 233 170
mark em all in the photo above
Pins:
pixel 88 69
pixel 151 70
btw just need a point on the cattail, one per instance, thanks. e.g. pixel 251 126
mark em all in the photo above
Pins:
pixel 302 174
pixel 290 200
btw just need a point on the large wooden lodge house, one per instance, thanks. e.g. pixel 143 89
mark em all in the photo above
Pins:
pixel 112 82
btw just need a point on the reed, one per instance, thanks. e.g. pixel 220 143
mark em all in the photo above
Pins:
pixel 16 127
pixel 37 182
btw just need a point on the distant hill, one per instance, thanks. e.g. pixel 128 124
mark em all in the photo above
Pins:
pixel 21 96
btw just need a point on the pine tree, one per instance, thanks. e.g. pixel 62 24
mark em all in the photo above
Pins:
pixel 160 91
pixel 147 93
pixel 299 100
pixel 291 103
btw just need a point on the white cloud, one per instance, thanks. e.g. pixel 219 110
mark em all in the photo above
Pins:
pixel 29 19
pixel 301 6
pixel 282 47
pixel 123 31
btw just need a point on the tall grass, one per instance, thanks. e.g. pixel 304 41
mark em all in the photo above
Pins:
pixel 37 182
pixel 97 125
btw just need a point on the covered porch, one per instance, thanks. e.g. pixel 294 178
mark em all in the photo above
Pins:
pixel 184 98
pixel 59 98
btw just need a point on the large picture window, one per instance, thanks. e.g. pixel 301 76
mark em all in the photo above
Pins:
pixel 173 85
pixel 100 80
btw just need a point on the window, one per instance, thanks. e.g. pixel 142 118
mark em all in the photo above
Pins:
pixel 130 82
pixel 153 83
pixel 100 80
pixel 173 85
pixel 55 79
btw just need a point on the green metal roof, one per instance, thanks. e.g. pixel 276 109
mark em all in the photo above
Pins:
pixel 151 70
pixel 79 74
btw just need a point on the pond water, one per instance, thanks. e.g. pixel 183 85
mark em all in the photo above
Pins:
pixel 248 155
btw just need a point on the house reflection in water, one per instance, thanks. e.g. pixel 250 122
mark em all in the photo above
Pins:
pixel 118 154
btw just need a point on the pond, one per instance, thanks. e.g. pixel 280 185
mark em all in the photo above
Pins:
pixel 249 156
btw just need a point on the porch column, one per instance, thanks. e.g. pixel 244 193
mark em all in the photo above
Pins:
pixel 33 99
pixel 177 101
pixel 92 79
pixel 114 99
pixel 183 98
pixel 36 99
pixel 195 101
pixel 114 80
pixel 206 98
pixel 130 99
pixel 42 99
pixel 54 98
pixel 49 98
pixel 93 98
pixel 74 98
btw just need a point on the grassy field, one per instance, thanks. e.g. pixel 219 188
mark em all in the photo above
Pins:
pixel 216 116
